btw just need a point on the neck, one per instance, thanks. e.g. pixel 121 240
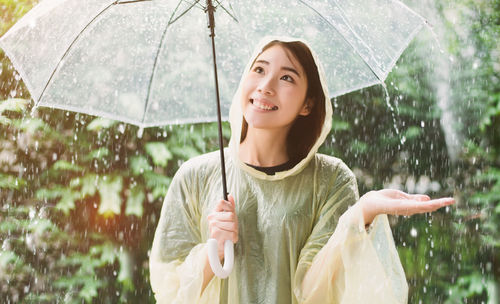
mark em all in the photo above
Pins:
pixel 264 147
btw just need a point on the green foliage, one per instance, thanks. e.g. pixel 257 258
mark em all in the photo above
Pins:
pixel 81 195
pixel 49 264
pixel 159 152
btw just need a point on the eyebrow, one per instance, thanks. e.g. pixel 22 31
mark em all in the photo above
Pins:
pixel 286 68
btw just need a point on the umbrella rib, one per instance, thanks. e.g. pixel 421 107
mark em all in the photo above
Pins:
pixel 69 48
pixel 346 40
pixel 131 1
pixel 153 72
pixel 226 10
pixel 183 13
pixel 155 64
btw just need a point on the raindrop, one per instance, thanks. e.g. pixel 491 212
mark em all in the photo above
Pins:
pixel 413 232
pixel 121 128
pixel 32 213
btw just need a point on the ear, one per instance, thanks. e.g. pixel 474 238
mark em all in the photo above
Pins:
pixel 306 108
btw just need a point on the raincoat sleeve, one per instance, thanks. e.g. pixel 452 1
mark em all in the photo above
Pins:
pixel 352 265
pixel 178 254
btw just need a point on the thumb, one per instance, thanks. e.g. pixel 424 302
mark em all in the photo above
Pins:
pixel 231 200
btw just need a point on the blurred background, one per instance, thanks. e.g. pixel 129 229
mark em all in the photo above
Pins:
pixel 80 196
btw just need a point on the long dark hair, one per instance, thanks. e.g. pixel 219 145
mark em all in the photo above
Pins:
pixel 306 129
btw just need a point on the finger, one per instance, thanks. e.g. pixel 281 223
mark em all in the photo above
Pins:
pixel 221 235
pixel 226 226
pixel 420 197
pixel 394 193
pixel 407 207
pixel 223 216
pixel 231 200
pixel 442 202
pixel 224 206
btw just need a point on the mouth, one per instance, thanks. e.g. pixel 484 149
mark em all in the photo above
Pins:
pixel 263 105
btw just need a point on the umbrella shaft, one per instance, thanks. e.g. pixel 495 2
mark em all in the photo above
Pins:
pixel 211 24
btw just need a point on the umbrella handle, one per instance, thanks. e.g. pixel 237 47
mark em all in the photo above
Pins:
pixel 213 258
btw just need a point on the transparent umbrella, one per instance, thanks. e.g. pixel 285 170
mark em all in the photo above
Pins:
pixel 149 62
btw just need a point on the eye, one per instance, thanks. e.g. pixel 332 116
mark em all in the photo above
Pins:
pixel 287 78
pixel 258 69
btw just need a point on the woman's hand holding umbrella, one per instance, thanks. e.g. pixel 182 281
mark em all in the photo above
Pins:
pixel 395 202
pixel 223 225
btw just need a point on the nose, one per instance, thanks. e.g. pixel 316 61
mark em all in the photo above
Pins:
pixel 266 86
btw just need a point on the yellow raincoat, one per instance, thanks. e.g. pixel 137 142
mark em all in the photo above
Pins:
pixel 284 221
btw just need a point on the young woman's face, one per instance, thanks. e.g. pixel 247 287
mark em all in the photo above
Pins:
pixel 274 91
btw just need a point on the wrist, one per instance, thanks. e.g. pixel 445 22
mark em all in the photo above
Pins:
pixel 366 210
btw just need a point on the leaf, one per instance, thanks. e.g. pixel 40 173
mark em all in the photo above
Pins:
pixel 134 202
pixel 100 123
pixel 11 182
pixel 31 125
pixel 359 146
pixel 108 254
pixel 97 154
pixel 338 125
pixel 6 258
pixel 39 226
pixel 90 287
pixel 413 132
pixel 67 201
pixel 109 191
pixel 154 179
pixel 65 165
pixel 159 191
pixel 89 184
pixel 47 194
pixel 14 104
pixel 185 152
pixel 125 274
pixel 159 152
pixel 139 165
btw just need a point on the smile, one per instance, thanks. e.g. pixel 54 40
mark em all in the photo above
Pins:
pixel 263 105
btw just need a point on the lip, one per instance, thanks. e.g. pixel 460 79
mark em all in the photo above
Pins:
pixel 265 103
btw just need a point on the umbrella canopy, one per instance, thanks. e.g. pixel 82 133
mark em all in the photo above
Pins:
pixel 149 63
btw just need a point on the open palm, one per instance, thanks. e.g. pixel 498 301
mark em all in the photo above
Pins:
pixel 395 202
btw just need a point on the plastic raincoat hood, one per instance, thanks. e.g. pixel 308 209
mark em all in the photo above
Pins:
pixel 300 239
pixel 236 118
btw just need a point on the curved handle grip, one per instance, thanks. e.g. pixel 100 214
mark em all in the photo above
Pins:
pixel 213 258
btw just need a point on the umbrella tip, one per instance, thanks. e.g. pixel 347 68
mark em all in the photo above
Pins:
pixel 33 110
pixel 140 132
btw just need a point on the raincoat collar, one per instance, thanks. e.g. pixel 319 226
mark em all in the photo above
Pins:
pixel 236 119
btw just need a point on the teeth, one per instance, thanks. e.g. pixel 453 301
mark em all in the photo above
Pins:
pixel 263 106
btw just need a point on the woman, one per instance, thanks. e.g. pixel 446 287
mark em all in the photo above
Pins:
pixel 293 214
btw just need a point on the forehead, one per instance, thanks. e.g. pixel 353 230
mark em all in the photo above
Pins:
pixel 278 55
